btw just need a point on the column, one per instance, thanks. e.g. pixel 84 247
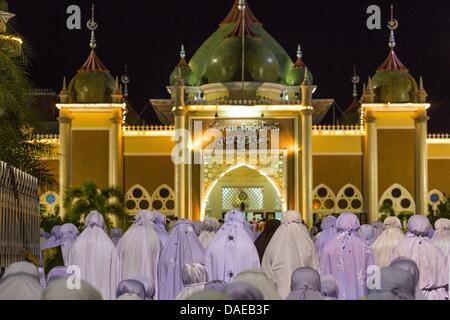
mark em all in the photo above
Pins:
pixel 65 156
pixel 371 168
pixel 307 166
pixel 421 162
pixel 180 169
pixel 115 150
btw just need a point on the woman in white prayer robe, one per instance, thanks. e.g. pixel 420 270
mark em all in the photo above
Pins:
pixel 20 282
pixel 441 237
pixel 95 254
pixel 139 249
pixel 208 231
pixel 291 248
pixel 391 236
pixel 195 277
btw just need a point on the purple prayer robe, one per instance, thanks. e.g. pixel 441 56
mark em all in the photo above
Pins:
pixel 347 257
pixel 231 250
pixel 182 247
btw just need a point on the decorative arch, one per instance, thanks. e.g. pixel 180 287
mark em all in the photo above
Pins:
pixel 324 200
pixel 137 198
pixel 349 198
pixel 397 197
pixel 163 200
pixel 207 194
pixel 49 200
pixel 435 198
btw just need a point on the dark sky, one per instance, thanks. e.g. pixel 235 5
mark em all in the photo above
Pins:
pixel 147 34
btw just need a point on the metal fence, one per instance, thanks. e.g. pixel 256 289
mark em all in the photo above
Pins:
pixel 19 215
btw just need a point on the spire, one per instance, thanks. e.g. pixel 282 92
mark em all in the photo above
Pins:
pixel 307 80
pixel 355 81
pixel 125 81
pixel 299 63
pixel 422 94
pixel 234 14
pixel 64 94
pixel 183 62
pixel 243 21
pixel 93 63
pixel 117 93
pixel 369 93
pixel 392 62
pixel 92 25
pixel 392 25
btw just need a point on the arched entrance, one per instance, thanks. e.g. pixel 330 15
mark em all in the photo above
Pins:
pixel 246 188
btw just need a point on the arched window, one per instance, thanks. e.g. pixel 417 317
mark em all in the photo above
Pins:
pixel 49 201
pixel 324 200
pixel 435 198
pixel 399 199
pixel 137 198
pixel 349 199
pixel 163 200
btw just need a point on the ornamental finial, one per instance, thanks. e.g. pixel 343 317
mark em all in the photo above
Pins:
pixel 92 25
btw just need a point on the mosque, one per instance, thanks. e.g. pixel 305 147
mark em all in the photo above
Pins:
pixel 242 83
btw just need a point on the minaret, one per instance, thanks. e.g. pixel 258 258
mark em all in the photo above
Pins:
pixel 64 94
pixel 307 112
pixel 182 156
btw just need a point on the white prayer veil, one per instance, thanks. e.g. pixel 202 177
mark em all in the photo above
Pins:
pixel 441 237
pixel 261 280
pixel 139 249
pixel 58 290
pixel 209 229
pixel 384 245
pixel 20 282
pixel 290 248
pixel 195 277
pixel 95 254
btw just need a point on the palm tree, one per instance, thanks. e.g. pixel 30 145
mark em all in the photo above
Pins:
pixel 18 144
pixel 88 197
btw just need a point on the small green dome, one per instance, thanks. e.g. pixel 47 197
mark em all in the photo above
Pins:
pixel 4 6
pixel 92 84
pixel 296 76
pixel 394 87
pixel 91 87
pixel 225 65
pixel 189 77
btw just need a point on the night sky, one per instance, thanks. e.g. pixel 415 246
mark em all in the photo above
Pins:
pixel 147 34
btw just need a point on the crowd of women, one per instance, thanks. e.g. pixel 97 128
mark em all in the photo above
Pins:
pixel 206 260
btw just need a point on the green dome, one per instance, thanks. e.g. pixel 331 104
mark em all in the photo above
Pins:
pixel 203 58
pixel 92 84
pixel 296 76
pixel 225 65
pixel 394 87
pixel 91 87
pixel 4 5
pixel 189 77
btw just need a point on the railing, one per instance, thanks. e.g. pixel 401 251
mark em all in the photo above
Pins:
pixel 436 136
pixel 19 215
pixel 338 130
pixel 157 131
pixel 48 137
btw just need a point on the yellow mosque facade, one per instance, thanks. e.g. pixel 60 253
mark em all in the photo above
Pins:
pixel 241 129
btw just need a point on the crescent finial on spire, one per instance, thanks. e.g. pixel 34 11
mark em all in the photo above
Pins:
pixel 392 25
pixel 92 25
pixel 299 52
